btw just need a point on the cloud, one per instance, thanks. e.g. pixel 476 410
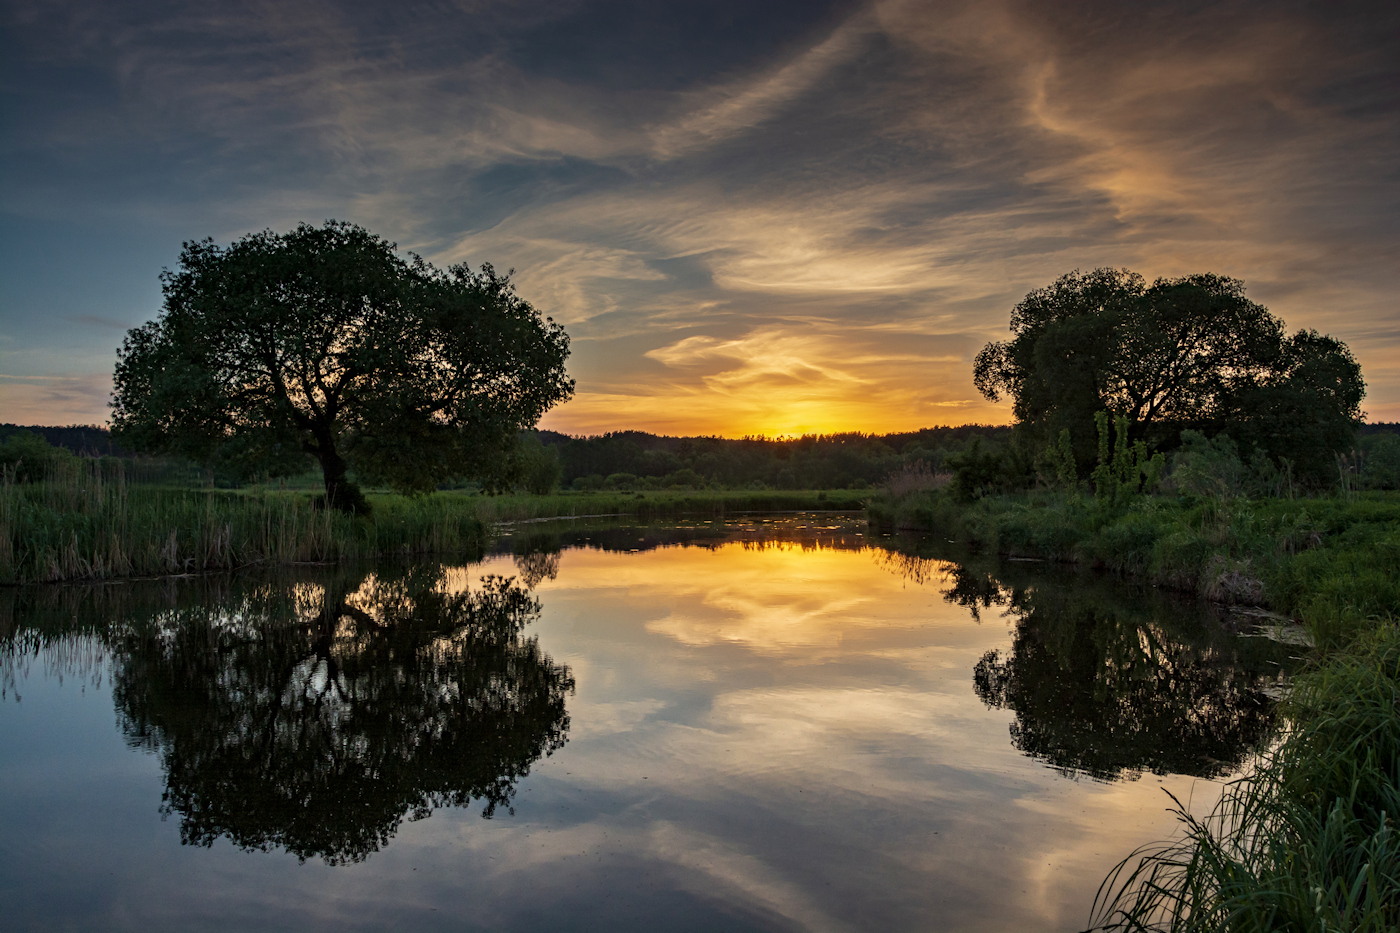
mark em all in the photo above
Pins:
pixel 80 399
pixel 731 109
pixel 898 168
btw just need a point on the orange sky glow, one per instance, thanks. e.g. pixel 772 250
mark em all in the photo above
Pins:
pixel 809 224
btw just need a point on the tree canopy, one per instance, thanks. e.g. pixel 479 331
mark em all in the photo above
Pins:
pixel 323 342
pixel 1190 352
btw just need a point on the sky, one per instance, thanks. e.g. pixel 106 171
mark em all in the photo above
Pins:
pixel 751 217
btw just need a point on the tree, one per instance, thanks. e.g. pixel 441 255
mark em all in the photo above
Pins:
pixel 1191 352
pixel 324 343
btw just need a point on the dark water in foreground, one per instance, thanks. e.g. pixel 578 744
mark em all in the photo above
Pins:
pixel 770 724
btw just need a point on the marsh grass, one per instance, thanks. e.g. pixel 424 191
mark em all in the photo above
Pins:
pixel 647 505
pixel 1306 842
pixel 87 521
pixel 1330 562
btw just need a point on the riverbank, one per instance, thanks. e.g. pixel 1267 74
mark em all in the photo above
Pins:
pixel 98 527
pixel 1330 563
pixel 1306 841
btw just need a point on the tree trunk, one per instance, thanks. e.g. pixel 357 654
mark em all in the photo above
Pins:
pixel 340 492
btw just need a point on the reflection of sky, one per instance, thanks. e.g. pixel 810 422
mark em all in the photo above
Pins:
pixel 761 739
pixel 771 217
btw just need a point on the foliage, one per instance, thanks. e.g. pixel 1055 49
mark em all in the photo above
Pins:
pixel 836 461
pixel 1130 470
pixel 90 523
pixel 978 471
pixel 1328 561
pixel 1307 841
pixel 322 342
pixel 915 477
pixel 25 457
pixel 539 467
pixel 1377 461
pixel 1191 352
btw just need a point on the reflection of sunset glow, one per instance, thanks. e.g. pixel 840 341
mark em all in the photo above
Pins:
pixel 828 682
pixel 778 598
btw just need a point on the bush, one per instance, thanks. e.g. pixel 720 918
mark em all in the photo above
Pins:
pixel 626 481
pixel 28 458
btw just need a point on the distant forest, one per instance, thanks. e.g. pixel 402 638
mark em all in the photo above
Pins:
pixel 638 460
pixel 826 461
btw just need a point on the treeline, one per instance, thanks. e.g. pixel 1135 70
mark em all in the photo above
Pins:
pixel 980 459
pixel 636 459
pixel 87 440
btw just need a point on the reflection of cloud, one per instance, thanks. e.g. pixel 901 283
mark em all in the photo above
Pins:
pixel 810 741
pixel 718 866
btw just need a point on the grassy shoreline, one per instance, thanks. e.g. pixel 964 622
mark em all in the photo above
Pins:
pixel 94 526
pixel 1306 840
pixel 1330 563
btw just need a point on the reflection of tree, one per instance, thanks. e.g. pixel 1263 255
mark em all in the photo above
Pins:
pixel 537 561
pixel 1106 679
pixel 1101 686
pixel 315 717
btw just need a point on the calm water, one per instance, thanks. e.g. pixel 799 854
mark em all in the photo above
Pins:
pixel 769 724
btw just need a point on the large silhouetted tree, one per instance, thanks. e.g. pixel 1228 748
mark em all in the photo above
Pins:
pixel 1190 352
pixel 323 342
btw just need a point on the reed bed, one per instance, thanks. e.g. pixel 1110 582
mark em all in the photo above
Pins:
pixel 88 521
pixel 85 522
pixel 1308 841
pixel 1330 562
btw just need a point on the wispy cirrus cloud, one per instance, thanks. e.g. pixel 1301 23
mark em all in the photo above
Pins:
pixel 895 169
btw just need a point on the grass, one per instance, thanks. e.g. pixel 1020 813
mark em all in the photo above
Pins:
pixel 1306 839
pixel 647 505
pixel 1329 562
pixel 85 525
pixel 87 522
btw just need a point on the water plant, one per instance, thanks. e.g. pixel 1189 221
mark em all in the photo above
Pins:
pixel 1307 841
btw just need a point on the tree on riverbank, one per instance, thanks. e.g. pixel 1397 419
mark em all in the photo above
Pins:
pixel 1185 353
pixel 323 342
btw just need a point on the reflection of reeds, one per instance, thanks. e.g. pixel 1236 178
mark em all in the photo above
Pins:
pixel 85 521
pixel 911 567
pixel 1306 842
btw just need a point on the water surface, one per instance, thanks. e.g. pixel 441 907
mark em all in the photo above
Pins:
pixel 761 724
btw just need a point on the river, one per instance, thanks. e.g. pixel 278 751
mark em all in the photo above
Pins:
pixel 761 723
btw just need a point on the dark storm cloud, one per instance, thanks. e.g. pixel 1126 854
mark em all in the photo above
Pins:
pixel 752 217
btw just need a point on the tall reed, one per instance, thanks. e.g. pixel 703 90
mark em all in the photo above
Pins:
pixel 1308 841
pixel 86 522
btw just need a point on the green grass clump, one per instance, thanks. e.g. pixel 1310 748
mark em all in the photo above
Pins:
pixel 1308 841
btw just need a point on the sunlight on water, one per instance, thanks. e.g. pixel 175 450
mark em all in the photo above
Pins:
pixel 754 725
